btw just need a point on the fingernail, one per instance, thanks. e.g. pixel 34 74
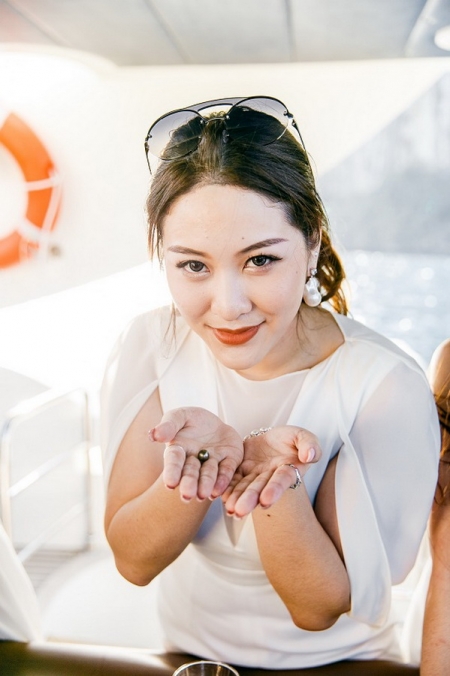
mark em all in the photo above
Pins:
pixel 150 434
pixel 237 517
pixel 184 499
pixel 311 455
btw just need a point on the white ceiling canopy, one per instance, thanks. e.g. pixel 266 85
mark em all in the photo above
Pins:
pixel 165 32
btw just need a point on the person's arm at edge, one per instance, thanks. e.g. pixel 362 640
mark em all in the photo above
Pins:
pixel 436 630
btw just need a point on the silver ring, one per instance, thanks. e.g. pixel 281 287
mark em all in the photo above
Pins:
pixel 203 455
pixel 298 477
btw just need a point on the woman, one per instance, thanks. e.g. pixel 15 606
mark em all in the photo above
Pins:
pixel 436 628
pixel 270 459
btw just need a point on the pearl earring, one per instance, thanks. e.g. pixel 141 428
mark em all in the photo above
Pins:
pixel 311 294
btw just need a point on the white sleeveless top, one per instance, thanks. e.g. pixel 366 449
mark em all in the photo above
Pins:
pixel 369 401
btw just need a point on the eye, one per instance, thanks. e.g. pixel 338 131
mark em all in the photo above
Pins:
pixel 262 261
pixel 192 266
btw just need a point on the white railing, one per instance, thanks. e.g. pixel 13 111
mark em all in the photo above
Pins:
pixel 26 410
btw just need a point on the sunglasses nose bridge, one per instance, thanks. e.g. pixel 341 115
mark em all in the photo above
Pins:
pixel 207 120
pixel 213 119
pixel 219 118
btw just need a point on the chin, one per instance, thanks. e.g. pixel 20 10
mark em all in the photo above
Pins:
pixel 234 361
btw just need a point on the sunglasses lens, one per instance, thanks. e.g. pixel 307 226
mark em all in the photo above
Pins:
pixel 175 135
pixel 258 120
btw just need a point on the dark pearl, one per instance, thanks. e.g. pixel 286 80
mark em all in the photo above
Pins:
pixel 203 455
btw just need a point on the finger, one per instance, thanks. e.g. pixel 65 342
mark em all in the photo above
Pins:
pixel 249 499
pixel 169 426
pixel 226 471
pixel 174 459
pixel 283 478
pixel 308 448
pixel 189 479
pixel 238 485
pixel 207 480
pixel 237 477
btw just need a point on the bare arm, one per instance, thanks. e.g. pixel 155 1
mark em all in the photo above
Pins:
pixel 157 498
pixel 301 559
pixel 146 524
pixel 299 546
pixel 436 631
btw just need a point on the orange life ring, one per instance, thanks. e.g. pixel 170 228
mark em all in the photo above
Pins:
pixel 43 190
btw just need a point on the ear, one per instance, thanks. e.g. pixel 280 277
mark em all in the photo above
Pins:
pixel 313 258
pixel 314 253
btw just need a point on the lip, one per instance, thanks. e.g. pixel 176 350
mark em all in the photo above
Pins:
pixel 236 337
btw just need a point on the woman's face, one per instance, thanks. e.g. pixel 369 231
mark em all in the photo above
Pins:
pixel 236 270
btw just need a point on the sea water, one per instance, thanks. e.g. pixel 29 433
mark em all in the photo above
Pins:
pixel 406 297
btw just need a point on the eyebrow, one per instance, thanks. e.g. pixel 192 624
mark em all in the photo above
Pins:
pixel 251 247
pixel 264 243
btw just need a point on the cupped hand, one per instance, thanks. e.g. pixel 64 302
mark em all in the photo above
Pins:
pixel 186 431
pixel 264 474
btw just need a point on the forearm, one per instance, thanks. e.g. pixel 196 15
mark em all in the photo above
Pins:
pixel 148 532
pixel 302 562
pixel 436 628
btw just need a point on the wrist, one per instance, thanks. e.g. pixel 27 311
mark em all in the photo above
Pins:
pixel 257 433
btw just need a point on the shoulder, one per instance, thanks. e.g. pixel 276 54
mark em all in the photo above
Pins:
pixel 150 332
pixel 152 325
pixel 369 363
pixel 362 341
pixel 439 370
pixel 143 348
pixel 443 351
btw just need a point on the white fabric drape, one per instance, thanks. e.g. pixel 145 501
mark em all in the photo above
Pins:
pixel 368 401
pixel 19 612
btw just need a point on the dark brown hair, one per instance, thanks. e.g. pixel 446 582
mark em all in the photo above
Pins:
pixel 279 170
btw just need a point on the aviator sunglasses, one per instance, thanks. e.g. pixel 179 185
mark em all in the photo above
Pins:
pixel 255 119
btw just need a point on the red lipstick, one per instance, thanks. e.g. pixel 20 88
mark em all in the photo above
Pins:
pixel 237 337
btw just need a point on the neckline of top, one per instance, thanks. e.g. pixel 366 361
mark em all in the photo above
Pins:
pixel 304 371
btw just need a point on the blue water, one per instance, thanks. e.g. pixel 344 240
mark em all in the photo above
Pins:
pixel 406 297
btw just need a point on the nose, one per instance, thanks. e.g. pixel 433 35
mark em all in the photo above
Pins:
pixel 230 299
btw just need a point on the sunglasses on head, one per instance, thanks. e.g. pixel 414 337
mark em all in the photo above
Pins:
pixel 259 120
